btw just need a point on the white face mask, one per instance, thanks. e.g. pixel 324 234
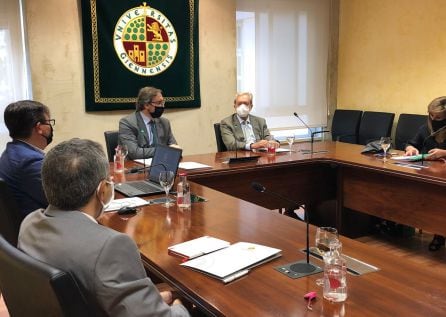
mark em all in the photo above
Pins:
pixel 243 110
pixel 111 198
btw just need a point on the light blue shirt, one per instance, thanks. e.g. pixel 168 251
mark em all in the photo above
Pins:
pixel 247 132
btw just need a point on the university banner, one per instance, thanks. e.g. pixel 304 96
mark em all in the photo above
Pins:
pixel 130 44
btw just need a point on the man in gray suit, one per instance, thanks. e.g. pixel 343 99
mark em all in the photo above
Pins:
pixel 242 130
pixel 142 130
pixel 107 264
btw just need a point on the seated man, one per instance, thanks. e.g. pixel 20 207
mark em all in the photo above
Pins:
pixel 142 130
pixel 31 130
pixel 66 235
pixel 242 130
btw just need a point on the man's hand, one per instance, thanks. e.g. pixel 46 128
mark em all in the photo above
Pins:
pixel 260 144
pixel 411 150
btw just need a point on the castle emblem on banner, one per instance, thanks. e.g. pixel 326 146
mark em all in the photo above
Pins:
pixel 145 41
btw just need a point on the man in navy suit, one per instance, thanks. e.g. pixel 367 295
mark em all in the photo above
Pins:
pixel 31 130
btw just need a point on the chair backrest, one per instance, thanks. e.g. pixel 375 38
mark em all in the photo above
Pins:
pixel 375 125
pixel 221 147
pixel 345 125
pixel 111 142
pixel 33 288
pixel 10 214
pixel 406 128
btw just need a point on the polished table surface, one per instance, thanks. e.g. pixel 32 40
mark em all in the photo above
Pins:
pixel 399 288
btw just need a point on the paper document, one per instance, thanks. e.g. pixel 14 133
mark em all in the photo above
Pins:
pixel 147 162
pixel 412 158
pixel 126 202
pixel 234 261
pixel 197 247
pixel 278 150
pixel 192 165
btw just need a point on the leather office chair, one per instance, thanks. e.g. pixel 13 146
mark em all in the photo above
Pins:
pixel 345 125
pixel 111 142
pixel 375 125
pixel 406 128
pixel 221 147
pixel 10 215
pixel 33 288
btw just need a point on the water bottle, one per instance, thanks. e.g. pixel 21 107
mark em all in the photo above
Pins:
pixel 118 160
pixel 335 274
pixel 183 192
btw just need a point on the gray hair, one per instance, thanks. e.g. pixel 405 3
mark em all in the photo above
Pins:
pixel 145 96
pixel 244 94
pixel 72 171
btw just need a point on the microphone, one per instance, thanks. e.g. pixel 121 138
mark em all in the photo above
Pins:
pixel 301 268
pixel 313 133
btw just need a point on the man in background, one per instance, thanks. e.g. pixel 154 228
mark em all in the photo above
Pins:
pixel 142 130
pixel 31 130
pixel 242 130
pixel 66 235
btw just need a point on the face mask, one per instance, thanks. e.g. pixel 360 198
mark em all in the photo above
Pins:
pixel 108 202
pixel 242 110
pixel 436 125
pixel 49 138
pixel 158 112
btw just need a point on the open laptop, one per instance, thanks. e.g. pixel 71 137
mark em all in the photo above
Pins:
pixel 165 158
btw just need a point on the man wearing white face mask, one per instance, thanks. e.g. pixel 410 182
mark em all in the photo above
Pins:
pixel 243 130
pixel 106 263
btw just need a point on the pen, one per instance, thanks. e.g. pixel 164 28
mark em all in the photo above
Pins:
pixel 235 276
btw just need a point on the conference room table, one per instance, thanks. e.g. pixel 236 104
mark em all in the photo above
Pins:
pixel 234 212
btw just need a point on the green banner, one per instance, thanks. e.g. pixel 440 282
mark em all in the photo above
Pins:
pixel 131 44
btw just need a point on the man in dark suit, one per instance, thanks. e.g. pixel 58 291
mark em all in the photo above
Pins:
pixel 142 130
pixel 66 235
pixel 243 130
pixel 31 130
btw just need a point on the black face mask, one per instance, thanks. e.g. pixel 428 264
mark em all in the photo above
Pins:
pixel 49 138
pixel 158 112
pixel 436 125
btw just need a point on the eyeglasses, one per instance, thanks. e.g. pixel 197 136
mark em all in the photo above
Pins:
pixel 51 122
pixel 158 104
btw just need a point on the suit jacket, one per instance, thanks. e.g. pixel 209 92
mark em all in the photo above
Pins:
pixel 106 263
pixel 20 167
pixel 423 142
pixel 232 133
pixel 133 133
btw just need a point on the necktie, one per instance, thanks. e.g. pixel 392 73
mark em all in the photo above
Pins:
pixel 153 132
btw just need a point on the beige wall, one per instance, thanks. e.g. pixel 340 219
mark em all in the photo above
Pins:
pixel 391 54
pixel 55 47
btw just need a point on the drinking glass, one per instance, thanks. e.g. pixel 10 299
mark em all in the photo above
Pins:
pixel 166 180
pixel 124 150
pixel 325 236
pixel 290 140
pixel 385 145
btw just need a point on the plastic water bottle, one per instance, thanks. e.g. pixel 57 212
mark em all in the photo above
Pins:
pixel 183 192
pixel 335 275
pixel 118 160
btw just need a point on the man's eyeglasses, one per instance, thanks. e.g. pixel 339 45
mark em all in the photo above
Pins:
pixel 51 122
pixel 158 104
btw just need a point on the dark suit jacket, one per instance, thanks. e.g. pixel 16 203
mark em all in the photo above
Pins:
pixel 232 133
pixel 20 167
pixel 133 133
pixel 105 262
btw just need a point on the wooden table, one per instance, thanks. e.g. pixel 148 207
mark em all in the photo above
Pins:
pixel 400 288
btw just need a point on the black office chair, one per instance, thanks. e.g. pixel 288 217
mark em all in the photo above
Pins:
pixel 33 288
pixel 375 125
pixel 221 147
pixel 10 215
pixel 111 142
pixel 345 125
pixel 406 128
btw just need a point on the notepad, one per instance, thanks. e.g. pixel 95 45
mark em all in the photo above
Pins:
pixel 192 165
pixel 197 247
pixel 234 261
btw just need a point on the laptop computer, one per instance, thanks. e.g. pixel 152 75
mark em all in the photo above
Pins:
pixel 165 158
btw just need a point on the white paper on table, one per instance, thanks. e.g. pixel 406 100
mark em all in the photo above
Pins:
pixel 147 161
pixel 197 247
pixel 192 165
pixel 409 158
pixel 126 202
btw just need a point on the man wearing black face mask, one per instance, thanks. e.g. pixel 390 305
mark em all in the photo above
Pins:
pixel 31 130
pixel 142 130
pixel 431 139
